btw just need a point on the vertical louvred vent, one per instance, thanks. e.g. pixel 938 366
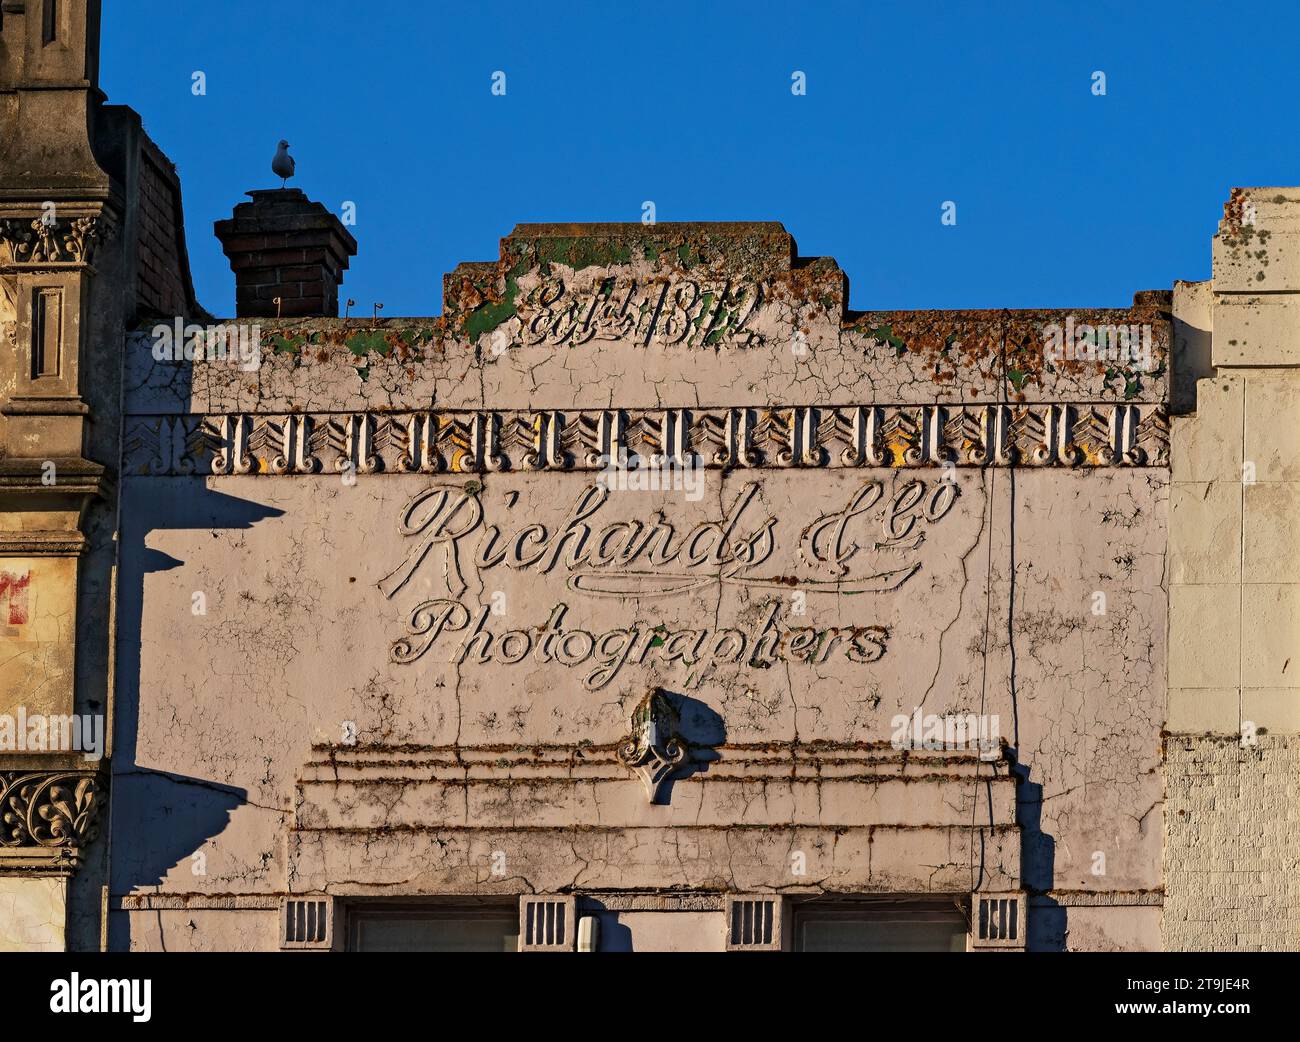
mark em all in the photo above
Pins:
pixel 754 923
pixel 307 922
pixel 546 923
pixel 999 921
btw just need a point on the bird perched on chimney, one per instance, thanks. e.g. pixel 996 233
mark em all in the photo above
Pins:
pixel 282 165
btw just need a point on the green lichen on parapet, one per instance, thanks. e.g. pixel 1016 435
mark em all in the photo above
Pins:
pixel 1131 379
pixel 365 342
pixel 1132 383
pixel 578 253
pixel 737 260
pixel 490 298
pixel 486 316
pixel 706 307
pixel 362 343
pixel 942 346
pixel 1008 352
pixel 287 345
pixel 885 335
pixel 490 315
pixel 736 247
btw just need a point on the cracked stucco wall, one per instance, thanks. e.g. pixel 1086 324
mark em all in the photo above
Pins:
pixel 297 734
pixel 33 914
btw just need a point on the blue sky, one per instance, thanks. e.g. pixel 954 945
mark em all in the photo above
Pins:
pixel 1063 198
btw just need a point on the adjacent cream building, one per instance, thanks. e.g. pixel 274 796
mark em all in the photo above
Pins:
pixel 649 598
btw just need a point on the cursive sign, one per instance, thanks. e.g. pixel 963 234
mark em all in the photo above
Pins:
pixel 862 546
pixel 605 654
pixel 650 557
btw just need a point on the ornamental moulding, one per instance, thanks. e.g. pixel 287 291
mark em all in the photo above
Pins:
pixel 49 808
pixel 1035 435
pixel 57 240
pixel 654 749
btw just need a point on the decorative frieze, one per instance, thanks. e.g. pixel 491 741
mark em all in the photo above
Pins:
pixel 1038 435
pixel 55 240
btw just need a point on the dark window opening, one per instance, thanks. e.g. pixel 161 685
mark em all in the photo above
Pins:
pixel 47 333
pixel 434 928
pixel 871 926
pixel 49 17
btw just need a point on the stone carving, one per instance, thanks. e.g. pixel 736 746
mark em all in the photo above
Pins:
pixel 654 749
pixel 64 240
pixel 1036 435
pixel 48 808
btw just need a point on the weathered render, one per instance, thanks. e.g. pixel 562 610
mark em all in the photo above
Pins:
pixel 649 586
pixel 1232 778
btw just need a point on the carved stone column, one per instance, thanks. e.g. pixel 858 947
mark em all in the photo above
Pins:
pixel 58 210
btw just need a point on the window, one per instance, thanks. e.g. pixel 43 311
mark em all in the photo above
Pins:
pixel 473 928
pixel 49 21
pixel 868 926
pixel 47 333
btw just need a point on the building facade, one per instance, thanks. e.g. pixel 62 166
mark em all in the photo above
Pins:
pixel 649 598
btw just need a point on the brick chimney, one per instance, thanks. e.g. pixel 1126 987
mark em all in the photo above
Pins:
pixel 284 245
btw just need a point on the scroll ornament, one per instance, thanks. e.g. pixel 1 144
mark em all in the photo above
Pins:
pixel 63 240
pixel 654 749
pixel 48 808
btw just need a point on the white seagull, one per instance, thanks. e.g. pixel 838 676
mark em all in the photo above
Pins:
pixel 282 165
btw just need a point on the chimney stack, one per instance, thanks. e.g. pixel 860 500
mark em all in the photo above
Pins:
pixel 284 245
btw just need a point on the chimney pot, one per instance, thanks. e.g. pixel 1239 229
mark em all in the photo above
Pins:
pixel 284 245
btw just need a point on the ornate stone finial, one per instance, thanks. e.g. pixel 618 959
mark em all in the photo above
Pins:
pixel 654 749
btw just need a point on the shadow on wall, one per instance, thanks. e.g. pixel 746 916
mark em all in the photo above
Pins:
pixel 702 729
pixel 1046 922
pixel 159 819
pixel 614 935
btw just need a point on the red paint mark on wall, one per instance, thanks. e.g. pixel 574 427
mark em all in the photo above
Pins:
pixel 16 587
